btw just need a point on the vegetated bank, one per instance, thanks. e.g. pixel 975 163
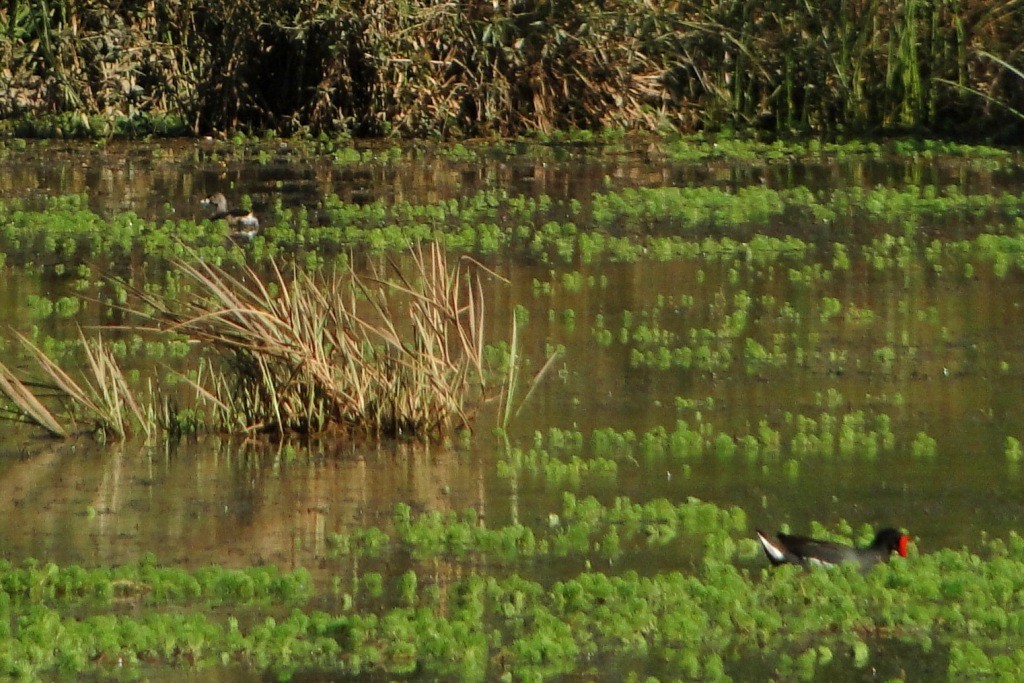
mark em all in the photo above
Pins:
pixel 421 68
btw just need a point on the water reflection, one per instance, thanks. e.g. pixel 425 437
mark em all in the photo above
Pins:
pixel 217 501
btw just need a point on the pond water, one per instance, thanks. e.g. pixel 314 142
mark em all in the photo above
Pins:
pixel 918 367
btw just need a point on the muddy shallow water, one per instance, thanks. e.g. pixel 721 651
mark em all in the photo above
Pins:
pixel 954 375
pixel 208 501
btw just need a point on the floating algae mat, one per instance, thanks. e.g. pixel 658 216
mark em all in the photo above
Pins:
pixel 734 335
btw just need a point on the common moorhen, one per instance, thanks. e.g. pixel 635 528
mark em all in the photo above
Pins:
pixel 243 222
pixel 787 548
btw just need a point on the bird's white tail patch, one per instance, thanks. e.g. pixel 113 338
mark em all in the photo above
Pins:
pixel 773 551
pixel 815 562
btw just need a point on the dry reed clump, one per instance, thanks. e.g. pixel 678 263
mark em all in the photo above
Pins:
pixel 372 355
pixel 376 355
pixel 102 397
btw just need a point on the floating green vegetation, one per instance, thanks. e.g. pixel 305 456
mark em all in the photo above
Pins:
pixel 959 610
pixel 555 471
pixel 582 527
pixel 668 223
pixel 66 228
pixel 924 446
pixel 1013 450
pixel 147 583
pixel 724 147
pixel 852 434
pixel 688 207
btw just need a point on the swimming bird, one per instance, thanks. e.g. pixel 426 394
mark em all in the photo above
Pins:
pixel 790 549
pixel 244 223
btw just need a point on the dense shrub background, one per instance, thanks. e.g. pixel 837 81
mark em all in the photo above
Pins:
pixel 468 67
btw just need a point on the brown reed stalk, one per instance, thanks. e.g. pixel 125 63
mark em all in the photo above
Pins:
pixel 377 355
pixel 102 395
pixel 27 405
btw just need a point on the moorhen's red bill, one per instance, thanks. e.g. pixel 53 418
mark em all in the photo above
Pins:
pixel 789 549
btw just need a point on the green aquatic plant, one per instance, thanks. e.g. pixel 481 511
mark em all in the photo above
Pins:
pixel 674 222
pixel 510 403
pixel 556 471
pixel 924 446
pixel 1013 450
pixel 886 358
pixel 830 308
pixel 711 621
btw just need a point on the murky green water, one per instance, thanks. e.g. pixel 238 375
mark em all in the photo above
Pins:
pixel 952 372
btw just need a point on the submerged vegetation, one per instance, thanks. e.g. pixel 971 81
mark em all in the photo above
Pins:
pixel 421 68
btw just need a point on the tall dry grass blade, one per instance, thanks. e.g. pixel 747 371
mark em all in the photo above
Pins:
pixel 117 409
pixel 535 382
pixel 64 382
pixel 107 399
pixel 108 389
pixel 27 403
pixel 197 385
